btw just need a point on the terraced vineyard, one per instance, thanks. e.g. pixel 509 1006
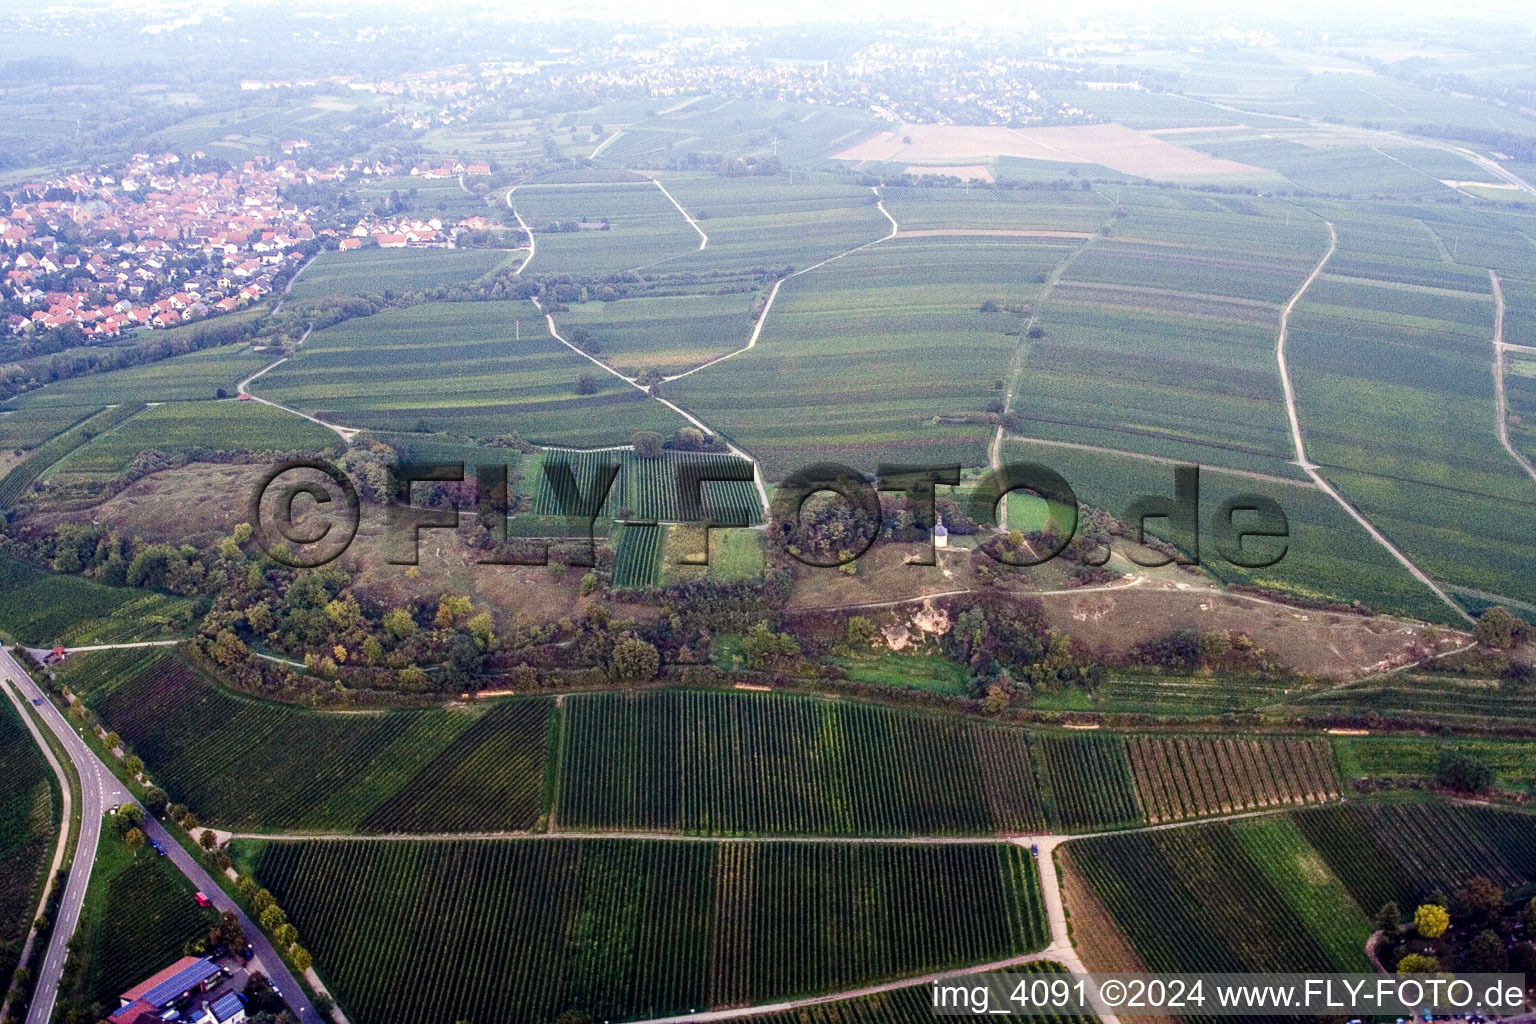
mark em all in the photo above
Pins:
pixel 1476 703
pixel 14 486
pixel 627 928
pixel 29 812
pixel 460 368
pixel 651 488
pixel 1189 778
pixel 214 426
pixel 730 763
pixel 1403 852
pixel 1088 782
pixel 260 765
pixel 637 560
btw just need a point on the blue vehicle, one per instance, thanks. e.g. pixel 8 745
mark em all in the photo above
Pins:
pixel 159 850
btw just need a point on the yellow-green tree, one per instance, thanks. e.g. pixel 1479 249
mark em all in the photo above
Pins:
pixel 1431 921
pixel 1417 963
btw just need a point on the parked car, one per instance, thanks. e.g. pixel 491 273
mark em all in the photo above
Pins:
pixel 159 850
pixel 202 899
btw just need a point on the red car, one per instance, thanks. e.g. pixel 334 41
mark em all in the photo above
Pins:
pixel 202 899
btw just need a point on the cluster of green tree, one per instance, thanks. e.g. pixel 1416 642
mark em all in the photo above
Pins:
pixel 1189 651
pixel 1463 772
pixel 1479 929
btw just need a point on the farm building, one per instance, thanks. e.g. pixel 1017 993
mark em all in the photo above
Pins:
pixel 227 1009
pixel 150 997
pixel 940 536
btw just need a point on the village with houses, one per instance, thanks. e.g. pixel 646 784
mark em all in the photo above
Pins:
pixel 163 241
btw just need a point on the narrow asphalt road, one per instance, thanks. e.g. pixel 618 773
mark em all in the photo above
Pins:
pixel 100 789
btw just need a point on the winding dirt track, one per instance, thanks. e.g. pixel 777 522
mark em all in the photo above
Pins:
pixel 1500 403
pixel 1301 449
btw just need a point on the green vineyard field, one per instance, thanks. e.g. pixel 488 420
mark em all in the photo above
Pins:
pixel 1188 778
pixel 1088 782
pixel 1403 852
pixel 637 560
pixel 15 485
pixel 729 763
pixel 247 764
pixel 29 811
pixel 628 928
pixel 1193 899
pixel 648 487
pixel 44 609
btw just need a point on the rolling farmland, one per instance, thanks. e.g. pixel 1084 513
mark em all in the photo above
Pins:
pixel 1328 555
pixel 669 330
pixel 1396 398
pixel 212 426
pixel 457 367
pixel 742 764
pixel 625 226
pixel 853 363
pixel 1178 778
pixel 1160 339
pixel 375 271
pixel 624 928
pixel 262 765
pixel 773 223
pixel 996 210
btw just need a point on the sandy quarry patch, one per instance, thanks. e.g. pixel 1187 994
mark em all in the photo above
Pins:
pixel 970 172
pixel 1112 145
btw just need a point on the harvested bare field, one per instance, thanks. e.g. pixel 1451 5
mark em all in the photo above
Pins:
pixel 970 172
pixel 1110 145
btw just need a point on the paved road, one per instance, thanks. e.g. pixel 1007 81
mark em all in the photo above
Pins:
pixel 100 789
